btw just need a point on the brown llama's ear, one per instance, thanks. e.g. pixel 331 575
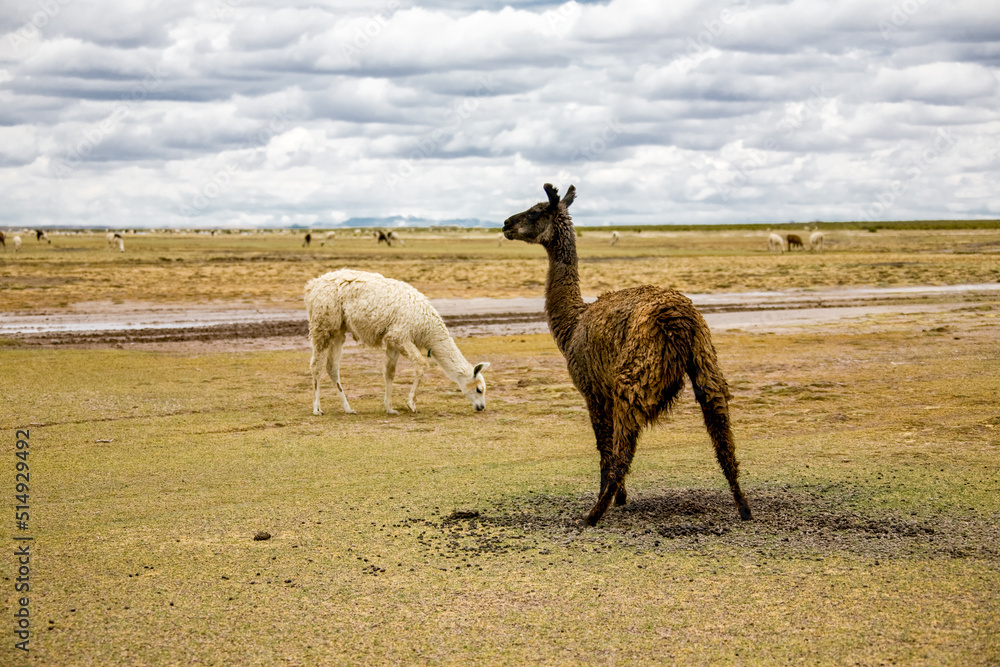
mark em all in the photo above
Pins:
pixel 553 194
pixel 570 196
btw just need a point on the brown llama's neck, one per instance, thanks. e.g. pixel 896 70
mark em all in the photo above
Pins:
pixel 563 301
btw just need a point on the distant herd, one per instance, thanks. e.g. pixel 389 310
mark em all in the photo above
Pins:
pixel 116 240
pixel 15 240
pixel 775 242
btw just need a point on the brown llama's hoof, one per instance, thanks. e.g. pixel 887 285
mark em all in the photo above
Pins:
pixel 598 510
pixel 745 513
pixel 621 497
pixel 603 501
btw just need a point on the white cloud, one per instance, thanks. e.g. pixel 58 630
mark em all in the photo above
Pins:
pixel 936 83
pixel 236 111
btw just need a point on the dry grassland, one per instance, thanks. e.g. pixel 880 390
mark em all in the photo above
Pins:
pixel 272 268
pixel 869 454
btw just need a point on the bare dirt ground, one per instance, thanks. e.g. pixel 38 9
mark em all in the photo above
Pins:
pixel 217 327
pixel 701 520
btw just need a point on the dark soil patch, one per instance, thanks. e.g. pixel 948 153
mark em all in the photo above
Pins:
pixel 116 338
pixel 494 323
pixel 796 523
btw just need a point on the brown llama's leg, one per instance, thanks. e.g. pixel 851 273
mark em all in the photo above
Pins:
pixel 621 495
pixel 603 501
pixel 715 409
pixel 626 434
pixel 627 437
pixel 601 422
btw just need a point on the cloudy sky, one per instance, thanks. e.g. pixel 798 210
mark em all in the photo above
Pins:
pixel 226 113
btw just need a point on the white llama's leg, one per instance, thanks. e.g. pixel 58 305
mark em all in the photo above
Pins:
pixel 333 369
pixel 319 359
pixel 419 362
pixel 391 357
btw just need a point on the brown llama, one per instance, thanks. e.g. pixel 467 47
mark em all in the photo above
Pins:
pixel 794 240
pixel 627 353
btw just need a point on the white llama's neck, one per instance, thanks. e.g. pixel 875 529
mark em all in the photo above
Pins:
pixel 449 357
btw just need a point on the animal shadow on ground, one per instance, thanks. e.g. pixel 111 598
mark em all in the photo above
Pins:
pixel 803 522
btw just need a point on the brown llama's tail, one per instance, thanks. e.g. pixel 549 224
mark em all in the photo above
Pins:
pixel 712 392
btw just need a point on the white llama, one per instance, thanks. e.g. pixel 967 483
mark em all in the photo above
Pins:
pixel 775 242
pixel 816 241
pixel 382 312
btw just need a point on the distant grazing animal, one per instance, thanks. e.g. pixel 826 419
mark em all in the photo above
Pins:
pixel 614 238
pixel 382 237
pixel 393 236
pixel 816 241
pixel 775 242
pixel 627 353
pixel 115 240
pixel 794 241
pixel 40 236
pixel 17 244
pixel 500 238
pixel 330 236
pixel 3 241
pixel 380 311
pixel 307 240
pixel 357 232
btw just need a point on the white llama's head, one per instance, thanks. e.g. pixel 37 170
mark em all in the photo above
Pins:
pixel 474 386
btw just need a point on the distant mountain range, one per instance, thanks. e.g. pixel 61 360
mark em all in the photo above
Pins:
pixel 388 222
pixel 402 221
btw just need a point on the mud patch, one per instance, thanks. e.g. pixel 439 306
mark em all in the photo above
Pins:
pixel 120 338
pixel 788 523
pixel 265 334
pixel 220 326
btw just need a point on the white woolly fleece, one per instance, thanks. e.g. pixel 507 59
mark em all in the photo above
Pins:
pixel 379 311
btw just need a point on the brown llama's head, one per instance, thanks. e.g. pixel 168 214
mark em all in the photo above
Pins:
pixel 538 223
